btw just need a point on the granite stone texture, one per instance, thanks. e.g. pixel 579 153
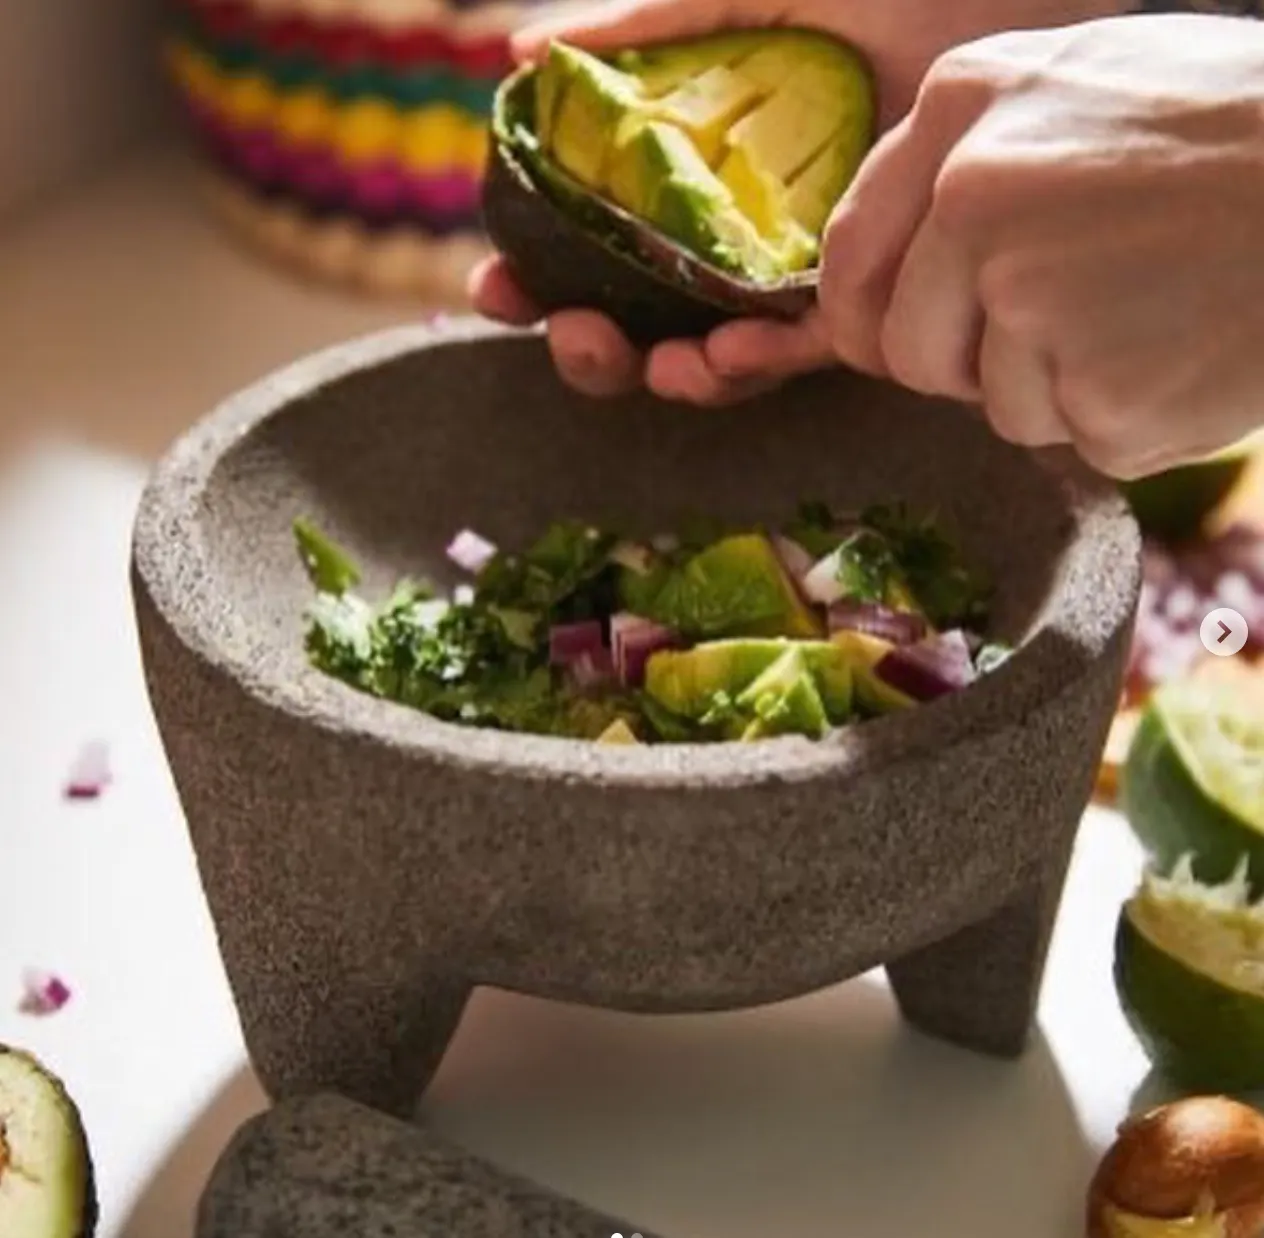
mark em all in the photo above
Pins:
pixel 366 865
pixel 323 1166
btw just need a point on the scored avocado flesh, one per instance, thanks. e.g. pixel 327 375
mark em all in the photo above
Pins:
pixel 736 147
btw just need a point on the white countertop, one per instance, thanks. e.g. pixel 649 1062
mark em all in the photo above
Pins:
pixel 120 319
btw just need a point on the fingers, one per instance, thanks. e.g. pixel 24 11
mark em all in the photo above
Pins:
pixel 759 347
pixel 930 336
pixel 495 294
pixel 1019 394
pixel 626 23
pixel 592 355
pixel 879 216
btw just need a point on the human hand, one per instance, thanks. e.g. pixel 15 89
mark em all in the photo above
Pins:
pixel 1065 229
pixel 901 38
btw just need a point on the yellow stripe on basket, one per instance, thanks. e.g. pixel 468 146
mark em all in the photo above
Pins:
pixel 433 139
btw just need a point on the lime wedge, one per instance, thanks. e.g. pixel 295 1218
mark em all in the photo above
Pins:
pixel 1189 971
pixel 1193 781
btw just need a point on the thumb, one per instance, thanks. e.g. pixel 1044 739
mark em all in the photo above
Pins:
pixel 631 23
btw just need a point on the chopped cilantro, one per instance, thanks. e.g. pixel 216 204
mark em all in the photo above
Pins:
pixel 329 566
pixel 482 657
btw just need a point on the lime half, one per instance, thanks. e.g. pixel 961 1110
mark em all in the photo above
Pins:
pixel 1177 503
pixel 1193 781
pixel 1189 970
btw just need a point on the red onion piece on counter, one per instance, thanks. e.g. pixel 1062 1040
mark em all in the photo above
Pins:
pixel 470 552
pixel 90 773
pixel 568 642
pixel 633 640
pixel 931 668
pixel 869 618
pixel 42 992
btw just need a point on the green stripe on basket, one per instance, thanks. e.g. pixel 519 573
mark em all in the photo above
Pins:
pixel 293 73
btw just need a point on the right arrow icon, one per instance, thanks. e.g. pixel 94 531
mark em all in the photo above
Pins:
pixel 1224 631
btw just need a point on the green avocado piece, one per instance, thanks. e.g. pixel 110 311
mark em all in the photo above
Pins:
pixel 664 67
pixel 784 700
pixel 618 732
pixel 587 101
pixel 685 681
pixel 735 587
pixel 736 149
pixel 47 1185
pixel 862 654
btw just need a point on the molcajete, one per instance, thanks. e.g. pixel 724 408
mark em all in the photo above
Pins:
pixel 366 865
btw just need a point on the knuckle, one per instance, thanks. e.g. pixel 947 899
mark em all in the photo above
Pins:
pixel 1007 294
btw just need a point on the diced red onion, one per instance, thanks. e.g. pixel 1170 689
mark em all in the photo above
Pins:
pixel 570 641
pixel 591 668
pixel 931 668
pixel 820 583
pixel 470 552
pixel 90 772
pixel 1234 589
pixel 1181 605
pixel 42 992
pixel 897 626
pixel 797 562
pixel 633 640
pixel 632 555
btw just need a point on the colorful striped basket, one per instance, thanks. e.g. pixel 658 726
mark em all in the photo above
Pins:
pixel 347 136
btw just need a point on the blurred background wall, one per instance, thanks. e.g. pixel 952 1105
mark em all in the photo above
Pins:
pixel 79 84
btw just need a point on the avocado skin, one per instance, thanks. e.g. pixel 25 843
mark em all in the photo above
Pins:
pixel 91 1204
pixel 561 263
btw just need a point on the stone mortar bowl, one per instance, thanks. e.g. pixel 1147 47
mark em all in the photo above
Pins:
pixel 366 865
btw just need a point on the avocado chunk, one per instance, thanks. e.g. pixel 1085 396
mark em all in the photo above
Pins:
pixel 862 653
pixel 47 1187
pixel 735 587
pixel 687 682
pixel 784 700
pixel 735 147
pixel 618 732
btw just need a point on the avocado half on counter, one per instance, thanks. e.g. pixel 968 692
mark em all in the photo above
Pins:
pixel 676 186
pixel 47 1184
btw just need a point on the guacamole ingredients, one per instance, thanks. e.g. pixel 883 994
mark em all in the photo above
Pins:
pixel 704 634
pixel 931 667
pixel 1193 781
pixel 42 992
pixel 470 552
pixel 1180 585
pixel 1190 1169
pixel 89 772
pixel 329 566
pixel 1189 972
pixel 47 1185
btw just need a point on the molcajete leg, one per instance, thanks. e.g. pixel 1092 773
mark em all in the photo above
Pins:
pixel 979 988
pixel 376 1039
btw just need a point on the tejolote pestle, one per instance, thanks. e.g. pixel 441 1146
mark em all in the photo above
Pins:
pixel 322 1166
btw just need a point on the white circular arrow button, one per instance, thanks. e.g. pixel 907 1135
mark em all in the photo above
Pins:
pixel 1224 632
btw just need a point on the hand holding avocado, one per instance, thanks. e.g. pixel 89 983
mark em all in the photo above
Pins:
pixel 1031 236
pixel 899 38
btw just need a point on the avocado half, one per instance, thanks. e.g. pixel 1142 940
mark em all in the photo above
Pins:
pixel 677 186
pixel 47 1181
